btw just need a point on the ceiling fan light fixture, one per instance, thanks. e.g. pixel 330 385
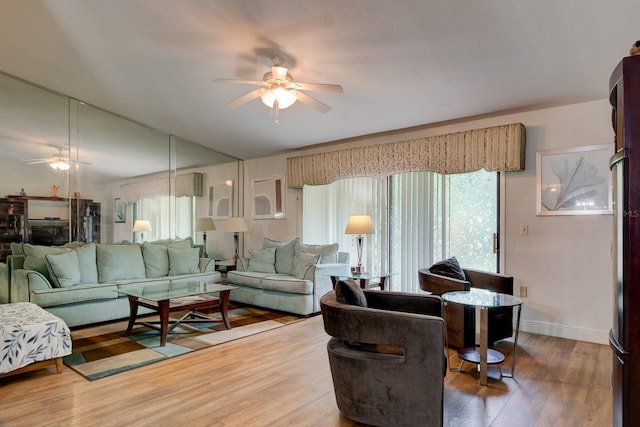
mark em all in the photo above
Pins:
pixel 285 97
pixel 59 165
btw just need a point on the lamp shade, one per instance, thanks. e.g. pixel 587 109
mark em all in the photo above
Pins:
pixel 141 225
pixel 359 224
pixel 236 225
pixel 205 224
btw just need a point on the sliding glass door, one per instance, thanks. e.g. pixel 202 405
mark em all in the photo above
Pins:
pixel 419 217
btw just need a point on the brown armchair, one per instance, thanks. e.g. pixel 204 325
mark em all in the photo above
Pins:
pixel 387 359
pixel 461 320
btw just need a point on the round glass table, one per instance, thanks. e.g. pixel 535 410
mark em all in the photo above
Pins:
pixel 483 300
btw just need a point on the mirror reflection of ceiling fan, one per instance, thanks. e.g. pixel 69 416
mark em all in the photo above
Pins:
pixel 278 90
pixel 58 162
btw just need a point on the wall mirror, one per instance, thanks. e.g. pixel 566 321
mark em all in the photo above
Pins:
pixel 268 201
pixel 53 142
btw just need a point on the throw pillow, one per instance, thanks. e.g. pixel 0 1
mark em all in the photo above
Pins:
pixel 16 248
pixel 181 243
pixel 87 263
pixel 284 254
pixel 156 259
pixel 63 269
pixel 301 263
pixel 35 257
pixel 119 262
pixel 449 267
pixel 349 292
pixel 183 261
pixel 262 260
pixel 328 253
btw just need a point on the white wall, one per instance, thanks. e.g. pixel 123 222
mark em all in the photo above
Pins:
pixel 565 261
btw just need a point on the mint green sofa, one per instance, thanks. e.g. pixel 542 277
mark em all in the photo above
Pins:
pixel 78 284
pixel 289 277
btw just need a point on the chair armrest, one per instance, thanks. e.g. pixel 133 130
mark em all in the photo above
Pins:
pixel 404 302
pixel 439 285
pixel 23 282
pixel 491 281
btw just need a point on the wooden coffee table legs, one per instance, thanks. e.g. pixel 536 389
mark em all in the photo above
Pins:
pixel 166 307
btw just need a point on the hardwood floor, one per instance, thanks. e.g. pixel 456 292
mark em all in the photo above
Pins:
pixel 282 378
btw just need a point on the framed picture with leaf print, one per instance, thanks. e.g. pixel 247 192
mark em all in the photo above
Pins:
pixel 574 181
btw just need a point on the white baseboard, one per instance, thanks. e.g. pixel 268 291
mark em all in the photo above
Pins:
pixel 563 331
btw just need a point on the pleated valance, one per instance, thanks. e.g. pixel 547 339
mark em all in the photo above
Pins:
pixel 498 148
pixel 189 184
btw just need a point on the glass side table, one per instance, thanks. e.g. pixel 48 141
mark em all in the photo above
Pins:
pixel 483 300
pixel 366 280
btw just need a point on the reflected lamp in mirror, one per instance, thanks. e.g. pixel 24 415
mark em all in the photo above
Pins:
pixel 205 224
pixel 141 226
pixel 236 225
pixel 359 225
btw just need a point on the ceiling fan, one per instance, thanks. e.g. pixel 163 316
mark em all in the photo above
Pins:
pixel 278 90
pixel 58 162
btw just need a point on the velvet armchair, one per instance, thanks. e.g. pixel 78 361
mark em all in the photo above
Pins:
pixel 387 358
pixel 461 320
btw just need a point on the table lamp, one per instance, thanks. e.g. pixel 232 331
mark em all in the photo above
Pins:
pixel 205 224
pixel 359 225
pixel 140 226
pixel 236 225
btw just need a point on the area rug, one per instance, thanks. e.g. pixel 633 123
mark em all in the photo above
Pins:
pixel 100 351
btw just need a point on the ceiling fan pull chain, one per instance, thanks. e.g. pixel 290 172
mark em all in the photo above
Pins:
pixel 276 108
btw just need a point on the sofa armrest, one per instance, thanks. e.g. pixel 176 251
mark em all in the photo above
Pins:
pixel 15 262
pixel 4 283
pixel 207 265
pixel 23 282
pixel 242 264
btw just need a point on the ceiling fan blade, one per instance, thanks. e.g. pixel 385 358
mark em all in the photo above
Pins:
pixel 38 161
pixel 244 99
pixel 306 99
pixel 321 87
pixel 248 82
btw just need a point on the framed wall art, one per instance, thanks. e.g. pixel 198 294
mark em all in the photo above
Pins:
pixel 574 181
pixel 120 214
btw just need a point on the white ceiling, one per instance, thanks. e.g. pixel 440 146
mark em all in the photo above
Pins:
pixel 401 63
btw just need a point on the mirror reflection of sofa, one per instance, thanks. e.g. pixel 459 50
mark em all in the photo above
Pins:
pixel 446 276
pixel 77 282
pixel 290 277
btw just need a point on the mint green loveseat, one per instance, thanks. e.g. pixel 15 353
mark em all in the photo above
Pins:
pixel 78 284
pixel 290 277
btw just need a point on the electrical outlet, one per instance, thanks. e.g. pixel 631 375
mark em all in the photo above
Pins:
pixel 523 291
pixel 524 229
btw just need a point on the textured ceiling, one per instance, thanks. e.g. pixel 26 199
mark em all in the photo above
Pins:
pixel 401 63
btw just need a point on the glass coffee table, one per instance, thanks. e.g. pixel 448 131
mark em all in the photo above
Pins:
pixel 189 297
pixel 483 300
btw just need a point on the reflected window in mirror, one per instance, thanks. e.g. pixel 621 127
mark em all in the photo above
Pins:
pixel 268 198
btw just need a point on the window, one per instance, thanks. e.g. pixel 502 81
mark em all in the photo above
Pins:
pixel 420 218
pixel 159 211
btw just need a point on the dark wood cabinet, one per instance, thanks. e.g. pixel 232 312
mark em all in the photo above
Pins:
pixel 48 220
pixel 624 337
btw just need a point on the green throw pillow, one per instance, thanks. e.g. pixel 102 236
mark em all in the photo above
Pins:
pixel 35 257
pixel 119 262
pixel 87 263
pixel 63 269
pixel 328 253
pixel 302 262
pixel 183 261
pixel 262 260
pixel 156 259
pixel 284 254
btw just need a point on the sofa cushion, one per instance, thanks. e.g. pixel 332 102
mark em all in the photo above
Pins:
pixel 284 254
pixel 16 248
pixel 87 263
pixel 328 253
pixel 183 261
pixel 156 259
pixel 449 267
pixel 64 270
pixel 301 263
pixel 118 262
pixel 288 284
pixel 349 292
pixel 262 260
pixel 35 257
pixel 246 278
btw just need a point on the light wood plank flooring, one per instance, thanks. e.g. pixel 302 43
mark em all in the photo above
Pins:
pixel 282 378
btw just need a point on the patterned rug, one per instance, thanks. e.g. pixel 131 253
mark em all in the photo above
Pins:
pixel 100 351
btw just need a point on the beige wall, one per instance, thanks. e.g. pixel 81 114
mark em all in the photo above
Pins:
pixel 564 261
